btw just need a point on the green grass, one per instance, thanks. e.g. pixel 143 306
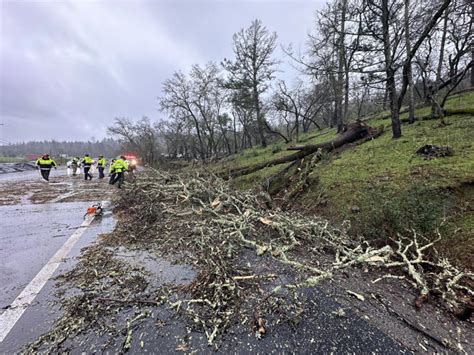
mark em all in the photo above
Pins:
pixel 274 150
pixel 11 160
pixel 388 161
pixel 388 182
pixel 381 178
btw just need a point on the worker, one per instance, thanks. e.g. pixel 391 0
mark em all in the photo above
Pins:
pixel 44 164
pixel 119 168
pixel 112 173
pixel 74 165
pixel 101 162
pixel 87 163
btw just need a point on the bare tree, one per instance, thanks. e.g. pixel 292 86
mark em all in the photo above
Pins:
pixel 253 66
pixel 140 136
pixel 455 45
pixel 198 98
pixel 177 101
pixel 396 57
pixel 411 96
pixel 299 103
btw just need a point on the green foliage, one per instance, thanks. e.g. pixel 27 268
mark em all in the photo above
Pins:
pixel 276 149
pixel 417 208
pixel 11 159
pixel 394 188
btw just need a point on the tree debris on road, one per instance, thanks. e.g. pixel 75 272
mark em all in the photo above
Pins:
pixel 201 221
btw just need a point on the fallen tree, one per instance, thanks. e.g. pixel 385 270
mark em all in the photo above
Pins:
pixel 200 220
pixel 351 133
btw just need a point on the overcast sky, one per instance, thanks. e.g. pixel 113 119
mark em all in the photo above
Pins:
pixel 68 68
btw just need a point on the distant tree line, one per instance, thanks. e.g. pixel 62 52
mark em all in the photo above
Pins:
pixel 108 147
pixel 363 56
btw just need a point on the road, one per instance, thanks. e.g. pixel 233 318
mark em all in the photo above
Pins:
pixel 43 232
pixel 38 242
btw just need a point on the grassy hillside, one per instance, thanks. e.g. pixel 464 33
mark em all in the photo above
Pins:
pixel 384 188
pixel 11 159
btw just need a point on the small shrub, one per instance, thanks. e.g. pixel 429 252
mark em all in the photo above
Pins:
pixel 416 208
pixel 276 149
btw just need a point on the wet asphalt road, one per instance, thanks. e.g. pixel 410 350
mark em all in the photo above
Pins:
pixel 30 235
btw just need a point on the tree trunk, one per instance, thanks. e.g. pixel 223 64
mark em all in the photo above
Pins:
pixel 472 46
pixel 436 110
pixel 235 134
pixel 389 70
pixel 340 70
pixel 385 99
pixel 261 129
pixel 353 132
pixel 411 96
pixel 201 144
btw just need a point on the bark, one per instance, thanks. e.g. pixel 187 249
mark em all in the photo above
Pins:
pixel 261 129
pixel 436 109
pixel 472 46
pixel 277 133
pixel 411 96
pixel 352 133
pixel 385 99
pixel 340 71
pixel 278 181
pixel 390 72
pixel 427 29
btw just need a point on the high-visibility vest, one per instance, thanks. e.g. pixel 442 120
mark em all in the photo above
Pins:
pixel 87 161
pixel 101 162
pixel 120 166
pixel 45 164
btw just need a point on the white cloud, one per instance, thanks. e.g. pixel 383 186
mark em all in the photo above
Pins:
pixel 71 67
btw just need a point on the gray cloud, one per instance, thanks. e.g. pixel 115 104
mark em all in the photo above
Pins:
pixel 67 69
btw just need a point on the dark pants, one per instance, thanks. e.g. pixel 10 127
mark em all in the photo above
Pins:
pixel 101 172
pixel 119 177
pixel 112 178
pixel 45 174
pixel 74 169
pixel 86 173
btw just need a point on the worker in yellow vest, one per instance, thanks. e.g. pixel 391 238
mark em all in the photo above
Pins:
pixel 112 174
pixel 101 162
pixel 87 163
pixel 119 167
pixel 45 164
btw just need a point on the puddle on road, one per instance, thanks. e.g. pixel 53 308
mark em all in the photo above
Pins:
pixel 59 189
pixel 165 271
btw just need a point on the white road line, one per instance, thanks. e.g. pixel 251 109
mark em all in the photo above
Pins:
pixel 9 318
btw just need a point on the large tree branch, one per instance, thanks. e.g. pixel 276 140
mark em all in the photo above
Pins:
pixel 406 66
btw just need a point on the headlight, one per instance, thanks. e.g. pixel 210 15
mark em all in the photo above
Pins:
pixel 134 162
